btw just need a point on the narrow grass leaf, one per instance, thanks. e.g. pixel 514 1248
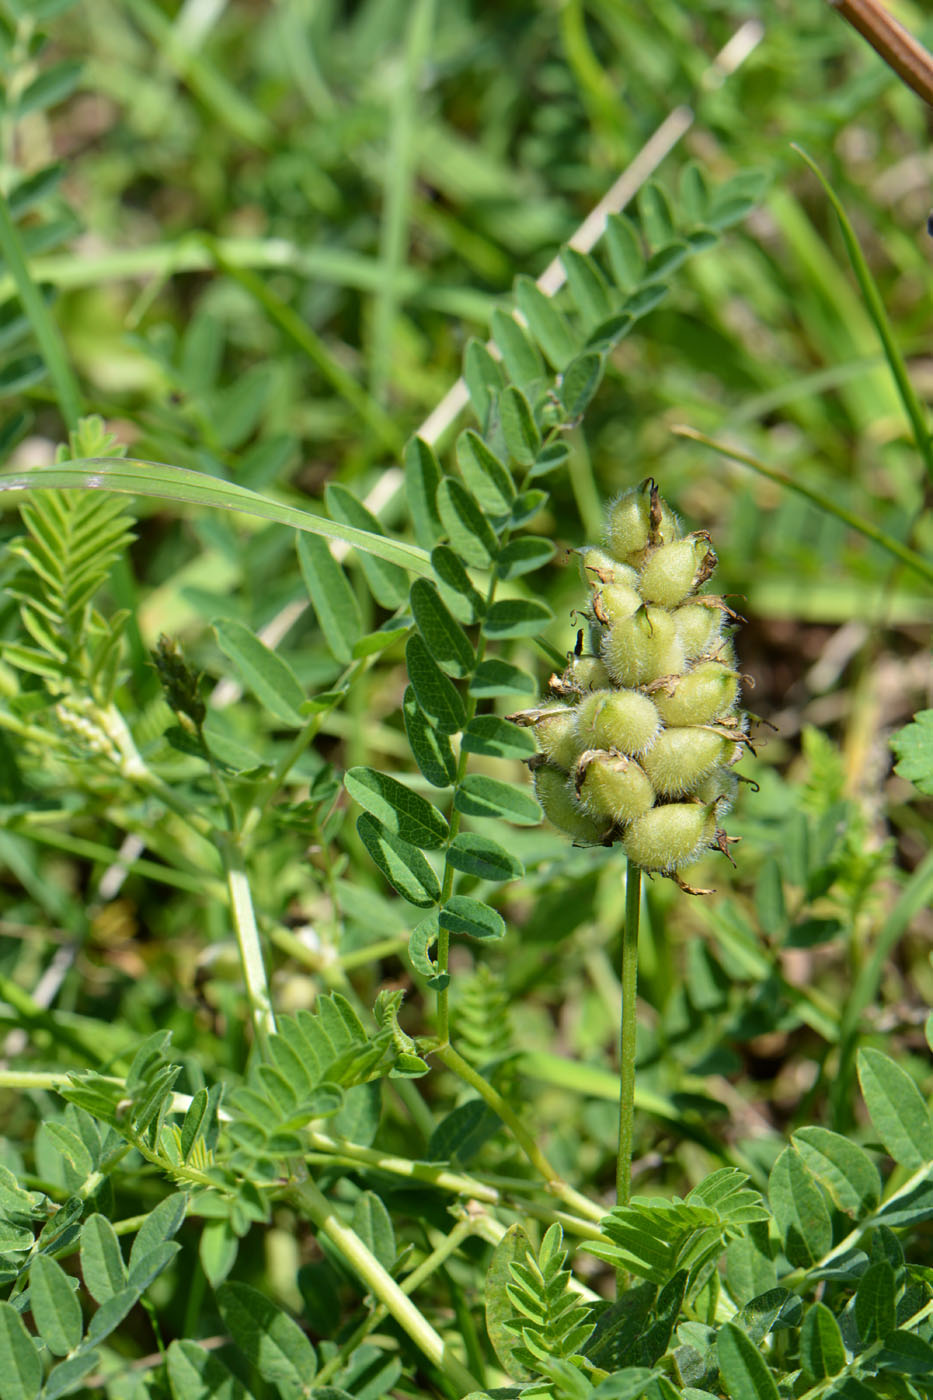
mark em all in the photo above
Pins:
pixel 483 857
pixel 262 671
pixel 55 1307
pixel 549 326
pixel 481 796
pixel 466 526
pixel 196 1374
pixel 484 378
pixel 422 478
pixel 442 633
pixel 437 695
pixel 801 1212
pixel 519 353
pixel 387 582
pixel 744 1370
pixel 516 617
pixel 430 749
pixel 845 1169
pixel 332 596
pixel 484 474
pixel 499 738
pixel 403 865
pixel 822 1349
pixel 897 1110
pixel 494 677
pixel 400 810
pixel 20 1366
pixel 268 1338
pixel 519 428
pixel 135 477
pixel 102 1266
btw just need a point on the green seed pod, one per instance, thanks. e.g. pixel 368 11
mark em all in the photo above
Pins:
pixel 554 790
pixel 624 720
pixel 679 759
pixel 615 603
pixel 704 694
pixel 636 520
pixel 669 836
pixel 718 790
pixel 599 568
pixel 698 627
pixel 674 570
pixel 614 788
pixel 555 731
pixel 643 647
pixel 585 673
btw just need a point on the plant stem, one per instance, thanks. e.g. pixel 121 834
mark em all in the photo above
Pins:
pixel 247 936
pixel 627 1033
pixel 555 1184
pixel 306 1196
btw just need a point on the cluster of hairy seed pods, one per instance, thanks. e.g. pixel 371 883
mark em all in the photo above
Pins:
pixel 639 735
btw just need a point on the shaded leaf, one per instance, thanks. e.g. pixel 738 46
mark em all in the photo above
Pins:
pixel 483 857
pixel 481 796
pixel 445 638
pixel 822 1350
pixel 519 429
pixel 484 474
pixel 403 865
pixel 467 528
pixel 431 750
pixel 270 1339
pixel 516 617
pixel 196 1374
pixel 422 478
pixel 437 696
pixel 744 1370
pixel 398 808
pixel 800 1211
pixel 461 914
pixel 499 738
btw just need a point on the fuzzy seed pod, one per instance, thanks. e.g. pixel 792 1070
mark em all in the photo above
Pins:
pixel 636 520
pixel 718 791
pixel 613 787
pixel 669 836
pixel 624 720
pixel 643 647
pixel 555 734
pixel 705 694
pixel 582 674
pixel 680 758
pixel 674 570
pixel 698 627
pixel 554 790
pixel 615 603
pixel 598 568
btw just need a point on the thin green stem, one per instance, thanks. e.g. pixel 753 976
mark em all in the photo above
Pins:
pixel 247 936
pixel 525 1139
pixel 900 551
pixel 44 328
pixel 628 1027
pixel 306 1197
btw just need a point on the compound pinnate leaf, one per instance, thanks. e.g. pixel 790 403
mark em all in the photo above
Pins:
pixel 822 1349
pixel 480 796
pixel 422 478
pixel 20 1366
pixel 914 748
pixel 55 1307
pixel 800 1210
pixel 445 638
pixel 332 597
pixel 467 528
pixel 744 1370
pixel 403 865
pixel 846 1171
pixel 499 738
pixel 430 749
pixel 102 1265
pixel 196 1374
pixel 400 810
pixel 484 474
pixel 387 582
pixel 262 671
pixel 483 857
pixel 270 1339
pixel 472 917
pixel 519 429
pixel 896 1108
pixel 516 617
pixel 436 694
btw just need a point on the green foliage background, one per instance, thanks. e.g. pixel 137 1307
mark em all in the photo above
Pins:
pixel 257 240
